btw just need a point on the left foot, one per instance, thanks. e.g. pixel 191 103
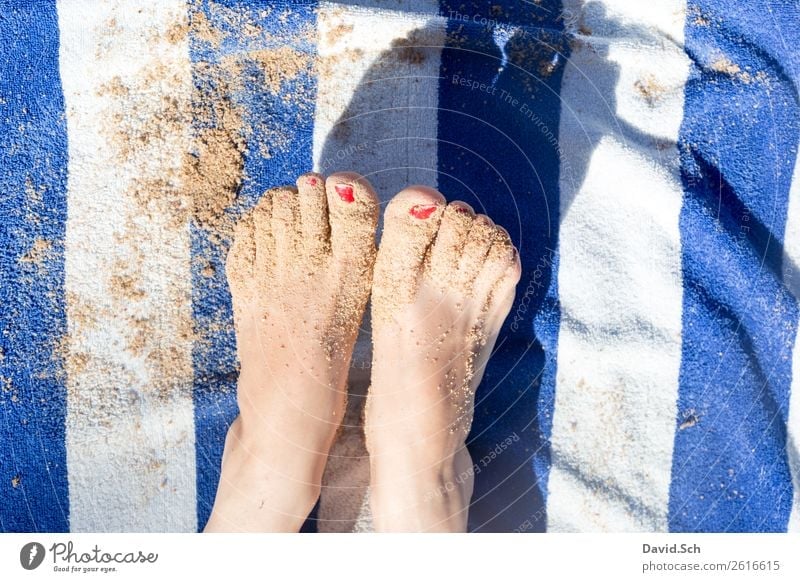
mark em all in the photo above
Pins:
pixel 299 270
pixel 444 283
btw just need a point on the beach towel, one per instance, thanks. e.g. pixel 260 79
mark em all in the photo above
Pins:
pixel 642 155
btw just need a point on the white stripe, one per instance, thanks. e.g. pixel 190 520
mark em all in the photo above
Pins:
pixel 130 436
pixel 791 276
pixel 376 104
pixel 375 114
pixel 620 281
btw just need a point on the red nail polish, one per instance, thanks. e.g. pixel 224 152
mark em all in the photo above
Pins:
pixel 312 181
pixel 422 211
pixel 345 192
pixel 462 210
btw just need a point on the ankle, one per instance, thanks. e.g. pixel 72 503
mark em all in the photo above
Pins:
pixel 256 494
pixel 409 496
pixel 269 456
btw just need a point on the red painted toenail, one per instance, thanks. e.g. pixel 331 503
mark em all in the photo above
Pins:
pixel 462 210
pixel 422 211
pixel 345 192
pixel 312 181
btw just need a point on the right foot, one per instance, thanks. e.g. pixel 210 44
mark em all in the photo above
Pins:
pixel 299 270
pixel 444 283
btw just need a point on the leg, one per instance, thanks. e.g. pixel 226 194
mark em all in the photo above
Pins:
pixel 300 271
pixel 444 283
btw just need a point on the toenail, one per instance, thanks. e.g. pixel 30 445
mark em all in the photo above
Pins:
pixel 345 192
pixel 312 181
pixel 422 211
pixel 462 210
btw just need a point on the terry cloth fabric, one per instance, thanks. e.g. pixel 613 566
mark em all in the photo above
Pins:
pixel 643 157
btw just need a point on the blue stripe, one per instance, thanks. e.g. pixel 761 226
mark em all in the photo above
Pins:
pixel 266 115
pixel 738 144
pixel 493 155
pixel 33 169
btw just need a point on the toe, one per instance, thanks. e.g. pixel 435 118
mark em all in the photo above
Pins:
pixel 314 223
pixel 240 264
pixel 499 267
pixel 417 207
pixel 264 242
pixel 506 289
pixel 353 217
pixel 473 255
pixel 446 250
pixel 285 224
pixel 410 225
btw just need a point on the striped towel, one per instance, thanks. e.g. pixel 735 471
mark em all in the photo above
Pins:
pixel 641 154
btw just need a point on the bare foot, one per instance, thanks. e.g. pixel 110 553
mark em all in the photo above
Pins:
pixel 444 283
pixel 299 270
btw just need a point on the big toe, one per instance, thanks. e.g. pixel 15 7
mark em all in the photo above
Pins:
pixel 353 217
pixel 410 225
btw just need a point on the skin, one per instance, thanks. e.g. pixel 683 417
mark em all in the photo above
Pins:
pixel 301 271
pixel 437 310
